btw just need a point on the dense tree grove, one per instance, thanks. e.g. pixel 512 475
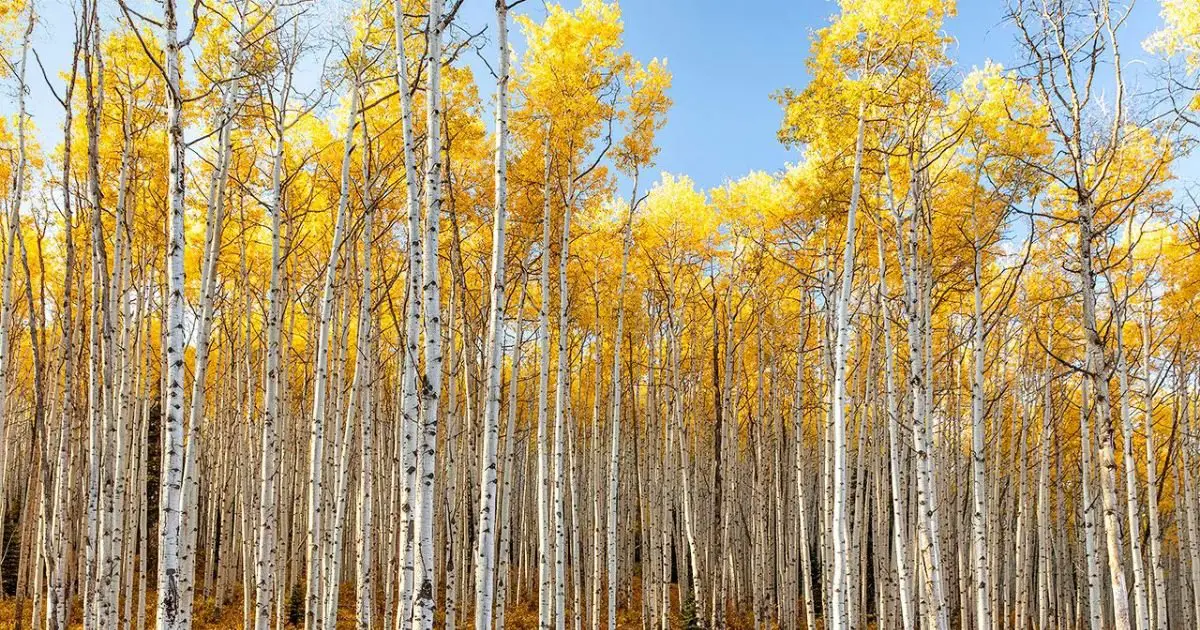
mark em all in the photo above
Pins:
pixel 393 323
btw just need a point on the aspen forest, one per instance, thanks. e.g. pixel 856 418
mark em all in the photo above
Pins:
pixel 400 315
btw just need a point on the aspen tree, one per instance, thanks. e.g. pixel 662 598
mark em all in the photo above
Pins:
pixel 93 69
pixel 215 215
pixel 431 383
pixel 899 536
pixel 510 460
pixel 485 545
pixel 266 534
pixel 545 522
pixel 56 615
pixel 1065 83
pixel 49 545
pixel 410 407
pixel 615 419
pixel 1149 385
pixel 315 589
pixel 364 577
pixel 1132 503
pixel 170 498
pixel 561 394
pixel 956 488
pixel 840 601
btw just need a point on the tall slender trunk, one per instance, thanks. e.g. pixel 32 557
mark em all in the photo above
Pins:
pixel 364 606
pixel 315 589
pixel 46 535
pixel 917 305
pixel 1132 503
pixel 485 557
pixel 56 618
pixel 93 67
pixel 545 575
pixel 614 454
pixel 510 466
pixel 1091 560
pixel 1098 373
pixel 196 410
pixel 979 505
pixel 1158 571
pixel 171 495
pixel 840 603
pixel 561 394
pixel 410 407
pixel 899 515
pixel 265 536
pixel 431 384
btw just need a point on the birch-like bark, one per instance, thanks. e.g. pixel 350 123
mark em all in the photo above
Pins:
pixel 839 613
pixel 335 528
pixel 561 393
pixel 44 539
pixel 1091 560
pixel 614 462
pixel 264 548
pixel 1045 438
pixel 689 525
pixel 545 574
pixel 899 515
pixel 1098 373
pixel 314 589
pixel 115 407
pixel 510 466
pixel 1022 564
pixel 47 540
pixel 1158 571
pixel 979 558
pixel 485 558
pixel 1187 477
pixel 410 404
pixel 171 496
pixel 215 216
pixel 56 616
pixel 1132 503
pixel 917 301
pixel 364 605
pixel 431 384
pixel 94 83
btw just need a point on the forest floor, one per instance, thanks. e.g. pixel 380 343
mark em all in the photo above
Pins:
pixel 15 614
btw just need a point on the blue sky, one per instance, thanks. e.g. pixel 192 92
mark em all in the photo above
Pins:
pixel 727 58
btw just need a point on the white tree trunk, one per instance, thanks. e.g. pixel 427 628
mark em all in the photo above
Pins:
pixel 1132 505
pixel 314 593
pixel 196 410
pixel 545 574
pixel 614 463
pixel 510 466
pixel 561 394
pixel 170 497
pixel 431 385
pixel 264 553
pixel 364 606
pixel 409 396
pixel 979 558
pixel 1161 619
pixel 1098 373
pixel 840 603
pixel 1092 562
pixel 898 493
pixel 917 300
pixel 485 558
